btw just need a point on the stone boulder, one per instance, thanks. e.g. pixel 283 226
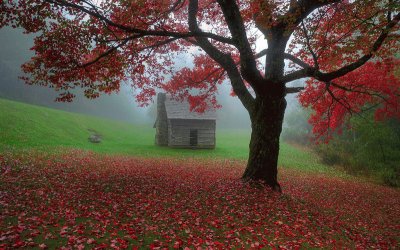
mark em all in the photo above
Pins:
pixel 95 138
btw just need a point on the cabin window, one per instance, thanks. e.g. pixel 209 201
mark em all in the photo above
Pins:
pixel 193 137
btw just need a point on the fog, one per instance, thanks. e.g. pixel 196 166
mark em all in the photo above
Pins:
pixel 15 50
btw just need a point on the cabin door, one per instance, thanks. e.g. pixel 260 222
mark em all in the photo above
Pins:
pixel 193 137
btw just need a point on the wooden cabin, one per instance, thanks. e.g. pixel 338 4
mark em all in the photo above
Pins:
pixel 176 126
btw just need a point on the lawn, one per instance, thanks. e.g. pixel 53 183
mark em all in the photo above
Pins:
pixel 24 126
pixel 82 200
pixel 57 190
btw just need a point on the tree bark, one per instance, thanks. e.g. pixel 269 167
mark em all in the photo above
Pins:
pixel 266 122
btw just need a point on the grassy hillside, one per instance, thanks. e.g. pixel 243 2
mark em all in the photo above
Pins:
pixel 24 126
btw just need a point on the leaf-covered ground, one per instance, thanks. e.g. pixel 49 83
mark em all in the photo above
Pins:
pixel 78 200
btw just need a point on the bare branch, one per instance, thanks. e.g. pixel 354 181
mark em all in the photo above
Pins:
pixel 293 90
pixel 288 56
pixel 298 61
pixel 299 74
pixel 261 53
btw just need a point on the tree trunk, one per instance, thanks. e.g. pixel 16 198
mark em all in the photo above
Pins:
pixel 266 122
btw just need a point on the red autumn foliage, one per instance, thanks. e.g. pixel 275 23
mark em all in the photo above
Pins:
pixel 75 200
pixel 373 85
pixel 98 46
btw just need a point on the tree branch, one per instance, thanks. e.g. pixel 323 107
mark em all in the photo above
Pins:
pixel 222 59
pixel 314 56
pixel 237 29
pixel 327 77
pixel 287 56
pixel 301 9
pixel 298 61
pixel 361 61
pixel 344 104
pixel 130 29
pixel 293 90
pixel 358 91
pixel 102 55
pixel 261 53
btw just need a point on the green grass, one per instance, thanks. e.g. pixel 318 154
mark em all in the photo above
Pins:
pixel 24 126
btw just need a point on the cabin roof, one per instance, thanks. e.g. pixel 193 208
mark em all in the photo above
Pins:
pixel 181 110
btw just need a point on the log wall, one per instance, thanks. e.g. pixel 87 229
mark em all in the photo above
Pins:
pixel 179 133
pixel 161 122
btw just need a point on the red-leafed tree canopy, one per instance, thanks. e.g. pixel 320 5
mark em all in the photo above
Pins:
pixel 345 49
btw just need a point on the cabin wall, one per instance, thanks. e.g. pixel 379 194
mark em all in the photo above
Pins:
pixel 161 125
pixel 179 133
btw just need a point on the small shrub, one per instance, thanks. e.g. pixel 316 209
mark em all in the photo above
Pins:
pixel 391 177
pixel 328 155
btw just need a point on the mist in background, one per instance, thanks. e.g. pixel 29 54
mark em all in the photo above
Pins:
pixel 15 50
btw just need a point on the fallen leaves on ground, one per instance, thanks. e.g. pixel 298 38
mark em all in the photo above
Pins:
pixel 80 200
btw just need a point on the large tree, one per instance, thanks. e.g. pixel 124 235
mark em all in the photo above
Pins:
pixel 337 45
